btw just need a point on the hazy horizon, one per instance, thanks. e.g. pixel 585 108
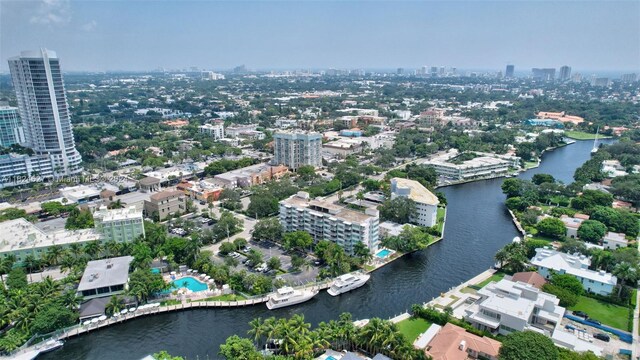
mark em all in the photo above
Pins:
pixel 98 36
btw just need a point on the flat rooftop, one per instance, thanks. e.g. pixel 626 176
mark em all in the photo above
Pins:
pixel 107 272
pixel 19 234
pixel 118 214
pixel 327 209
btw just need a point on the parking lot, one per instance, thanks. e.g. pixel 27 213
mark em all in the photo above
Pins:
pixel 611 347
pixel 269 250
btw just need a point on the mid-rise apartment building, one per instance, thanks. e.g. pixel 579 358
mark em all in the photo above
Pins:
pixel 165 203
pixel 426 202
pixel 480 167
pixel 21 238
pixel 296 149
pixel 119 225
pixel 215 129
pixel 327 221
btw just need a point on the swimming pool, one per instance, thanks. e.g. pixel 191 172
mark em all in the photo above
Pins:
pixel 330 358
pixel 383 253
pixel 190 283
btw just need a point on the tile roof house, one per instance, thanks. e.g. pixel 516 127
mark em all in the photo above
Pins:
pixel 573 223
pixel 530 277
pixel 455 343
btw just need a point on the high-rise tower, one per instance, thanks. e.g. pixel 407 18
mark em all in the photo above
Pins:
pixel 44 110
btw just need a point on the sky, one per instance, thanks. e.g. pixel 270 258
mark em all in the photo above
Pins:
pixel 94 35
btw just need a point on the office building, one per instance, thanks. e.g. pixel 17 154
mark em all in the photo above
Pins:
pixel 510 71
pixel 119 225
pixel 549 262
pixel 426 213
pixel 324 220
pixel 506 306
pixel 627 78
pixel 21 238
pixel 10 127
pixel 547 74
pixel 164 204
pixel 105 278
pixel 43 107
pixel 296 149
pixel 565 73
pixel 215 129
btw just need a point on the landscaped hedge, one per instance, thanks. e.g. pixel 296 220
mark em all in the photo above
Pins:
pixel 441 318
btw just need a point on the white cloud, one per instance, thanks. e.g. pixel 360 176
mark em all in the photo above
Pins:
pixel 51 12
pixel 90 26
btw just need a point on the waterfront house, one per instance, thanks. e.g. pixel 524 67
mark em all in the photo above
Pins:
pixel 549 261
pixel 529 277
pixel 104 278
pixel 452 342
pixel 507 306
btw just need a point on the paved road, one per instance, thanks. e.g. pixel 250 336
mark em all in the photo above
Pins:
pixel 247 222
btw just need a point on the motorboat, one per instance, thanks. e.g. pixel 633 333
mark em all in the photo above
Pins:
pixel 287 296
pixel 50 346
pixel 347 282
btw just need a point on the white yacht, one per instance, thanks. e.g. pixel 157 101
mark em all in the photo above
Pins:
pixel 50 346
pixel 286 296
pixel 347 282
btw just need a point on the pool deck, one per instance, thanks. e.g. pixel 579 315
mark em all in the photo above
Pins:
pixel 377 262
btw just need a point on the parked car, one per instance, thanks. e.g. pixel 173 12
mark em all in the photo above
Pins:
pixel 581 314
pixel 569 327
pixel 602 336
pixel 234 255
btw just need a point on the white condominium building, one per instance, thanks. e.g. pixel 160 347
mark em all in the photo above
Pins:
pixel 119 225
pixel 426 202
pixel 215 130
pixel 480 167
pixel 296 149
pixel 328 221
pixel 42 102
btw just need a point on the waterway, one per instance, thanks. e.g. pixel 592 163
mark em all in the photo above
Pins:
pixel 478 225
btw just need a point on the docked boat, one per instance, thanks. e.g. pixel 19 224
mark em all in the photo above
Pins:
pixel 286 296
pixel 347 282
pixel 50 346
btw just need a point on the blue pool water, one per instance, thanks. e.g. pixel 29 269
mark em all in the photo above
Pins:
pixel 190 283
pixel 330 358
pixel 383 253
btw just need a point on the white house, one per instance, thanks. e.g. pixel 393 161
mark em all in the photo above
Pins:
pixel 613 241
pixel 550 261
pixel 507 306
pixel 426 202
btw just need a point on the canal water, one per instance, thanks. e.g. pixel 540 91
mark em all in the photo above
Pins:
pixel 478 225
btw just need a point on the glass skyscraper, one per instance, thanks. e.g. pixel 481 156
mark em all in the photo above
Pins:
pixel 10 127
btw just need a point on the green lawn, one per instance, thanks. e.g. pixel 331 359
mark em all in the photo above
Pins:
pixel 468 290
pixel 440 218
pixel 530 164
pixel 227 297
pixel 412 327
pixel 495 277
pixel 581 135
pixel 608 314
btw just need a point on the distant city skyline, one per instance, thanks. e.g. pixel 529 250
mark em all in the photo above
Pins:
pixel 142 36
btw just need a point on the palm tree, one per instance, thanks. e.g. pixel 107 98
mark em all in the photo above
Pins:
pixel 6 265
pixel 54 254
pixel 114 305
pixel 30 262
pixel 257 330
pixel 502 256
pixel 47 288
pixel 68 262
pixel 93 249
pixel 71 299
pixel 625 272
pixel 112 248
pixel 76 250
